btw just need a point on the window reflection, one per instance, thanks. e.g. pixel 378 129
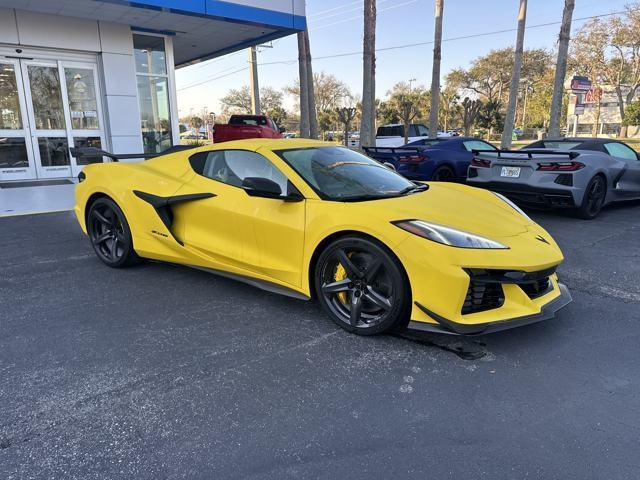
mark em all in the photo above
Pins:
pixel 82 98
pixel 46 97
pixel 10 118
pixel 153 95
pixel 13 153
pixel 82 142
pixel 54 151
pixel 149 54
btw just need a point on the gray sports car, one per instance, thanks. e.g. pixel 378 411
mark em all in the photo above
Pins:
pixel 584 174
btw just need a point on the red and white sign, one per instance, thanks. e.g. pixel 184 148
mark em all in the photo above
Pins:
pixel 580 84
pixel 593 95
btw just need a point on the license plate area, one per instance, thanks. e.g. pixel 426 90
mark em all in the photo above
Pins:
pixel 510 172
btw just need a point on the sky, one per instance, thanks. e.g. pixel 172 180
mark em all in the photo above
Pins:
pixel 336 27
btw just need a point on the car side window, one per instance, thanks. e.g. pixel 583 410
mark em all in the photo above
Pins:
pixel 422 131
pixel 233 166
pixel 477 145
pixel 620 150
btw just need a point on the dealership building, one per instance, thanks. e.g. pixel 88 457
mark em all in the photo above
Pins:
pixel 102 73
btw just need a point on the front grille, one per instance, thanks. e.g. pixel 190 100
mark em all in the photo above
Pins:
pixel 482 296
pixel 537 288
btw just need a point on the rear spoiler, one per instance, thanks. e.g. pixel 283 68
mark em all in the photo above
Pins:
pixel 96 154
pixel 529 153
pixel 393 149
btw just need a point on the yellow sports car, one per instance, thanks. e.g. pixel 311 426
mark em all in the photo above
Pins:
pixel 313 220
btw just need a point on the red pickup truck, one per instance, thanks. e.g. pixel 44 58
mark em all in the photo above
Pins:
pixel 246 126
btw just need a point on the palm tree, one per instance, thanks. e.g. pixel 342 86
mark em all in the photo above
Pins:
pixel 561 69
pixel 515 78
pixel 304 86
pixel 313 116
pixel 368 120
pixel 435 74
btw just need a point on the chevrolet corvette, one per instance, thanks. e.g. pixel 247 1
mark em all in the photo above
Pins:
pixel 313 220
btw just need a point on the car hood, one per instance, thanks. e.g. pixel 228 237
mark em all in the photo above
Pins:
pixel 465 208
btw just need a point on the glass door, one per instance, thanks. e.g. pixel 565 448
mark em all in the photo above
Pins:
pixel 47 116
pixel 85 111
pixel 16 150
pixel 64 110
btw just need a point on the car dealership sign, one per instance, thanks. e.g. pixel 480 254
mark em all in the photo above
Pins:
pixel 580 84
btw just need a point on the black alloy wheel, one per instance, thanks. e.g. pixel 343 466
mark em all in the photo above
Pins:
pixel 443 174
pixel 110 234
pixel 594 197
pixel 362 287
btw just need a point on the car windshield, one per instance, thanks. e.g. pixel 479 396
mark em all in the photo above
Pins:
pixel 559 145
pixel 337 173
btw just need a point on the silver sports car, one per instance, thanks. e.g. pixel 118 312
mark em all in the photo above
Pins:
pixel 584 174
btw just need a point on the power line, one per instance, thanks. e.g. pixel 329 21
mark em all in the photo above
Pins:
pixel 398 47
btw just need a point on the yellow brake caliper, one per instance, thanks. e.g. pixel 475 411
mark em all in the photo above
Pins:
pixel 341 274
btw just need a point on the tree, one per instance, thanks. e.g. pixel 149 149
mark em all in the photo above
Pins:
pixel 239 100
pixel 490 116
pixel 408 104
pixel 196 122
pixel 346 115
pixel 561 69
pixel 470 110
pixel 632 114
pixel 515 77
pixel 304 87
pixel 449 107
pixel 368 120
pixel 435 73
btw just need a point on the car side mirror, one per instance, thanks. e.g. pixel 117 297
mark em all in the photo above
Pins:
pixel 261 187
pixel 282 129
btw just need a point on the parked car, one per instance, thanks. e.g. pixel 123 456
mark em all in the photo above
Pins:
pixel 442 159
pixel 584 174
pixel 246 126
pixel 392 135
pixel 310 219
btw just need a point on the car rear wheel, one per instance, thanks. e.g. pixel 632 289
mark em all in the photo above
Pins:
pixel 110 234
pixel 362 287
pixel 594 198
pixel 443 174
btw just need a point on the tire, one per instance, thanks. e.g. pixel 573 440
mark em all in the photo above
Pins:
pixel 362 287
pixel 110 234
pixel 594 197
pixel 443 174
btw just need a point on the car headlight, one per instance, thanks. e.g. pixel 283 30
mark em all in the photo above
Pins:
pixel 512 205
pixel 447 235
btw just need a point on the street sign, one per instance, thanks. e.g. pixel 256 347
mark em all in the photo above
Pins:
pixel 578 109
pixel 580 84
pixel 593 95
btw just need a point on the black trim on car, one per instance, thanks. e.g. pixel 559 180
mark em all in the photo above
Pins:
pixel 162 205
pixel 527 195
pixel 445 325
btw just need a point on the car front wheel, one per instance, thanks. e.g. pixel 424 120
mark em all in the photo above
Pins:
pixel 110 234
pixel 362 286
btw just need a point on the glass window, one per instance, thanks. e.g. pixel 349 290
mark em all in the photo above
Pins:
pixel 338 173
pixel 247 120
pixel 391 131
pixel 477 145
pixel 620 150
pixel 13 153
pixel 54 151
pixel 153 96
pixel 149 54
pixel 233 166
pixel 10 118
pixel 82 142
pixel 81 90
pixel 46 97
pixel 422 131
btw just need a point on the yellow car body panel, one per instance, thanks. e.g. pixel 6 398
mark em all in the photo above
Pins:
pixel 274 241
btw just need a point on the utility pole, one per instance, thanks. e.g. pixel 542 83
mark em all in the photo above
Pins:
pixel 435 73
pixel 253 79
pixel 507 132
pixel 561 70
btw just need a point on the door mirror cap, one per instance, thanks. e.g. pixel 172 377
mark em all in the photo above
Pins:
pixel 282 129
pixel 261 187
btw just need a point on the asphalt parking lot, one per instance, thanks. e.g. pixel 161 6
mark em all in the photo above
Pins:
pixel 166 372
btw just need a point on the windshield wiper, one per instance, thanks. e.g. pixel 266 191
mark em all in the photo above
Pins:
pixel 413 189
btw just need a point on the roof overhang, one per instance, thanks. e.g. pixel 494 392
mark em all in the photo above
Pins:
pixel 201 29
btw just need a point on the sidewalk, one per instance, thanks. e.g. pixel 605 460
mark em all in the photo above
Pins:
pixel 43 198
